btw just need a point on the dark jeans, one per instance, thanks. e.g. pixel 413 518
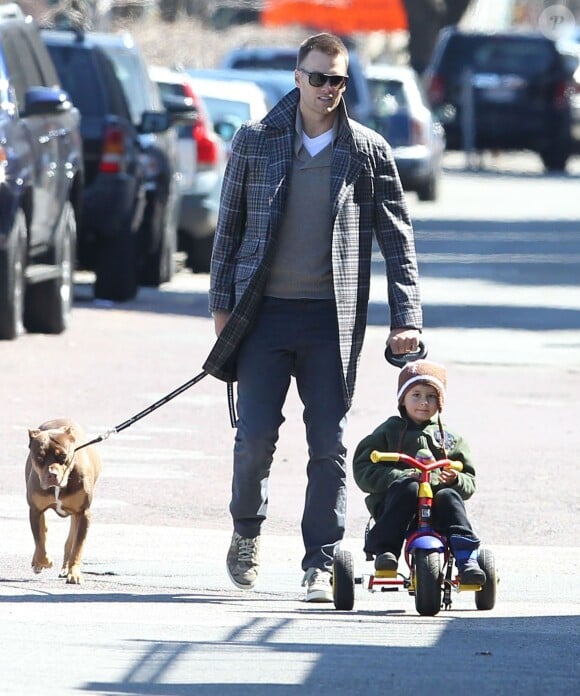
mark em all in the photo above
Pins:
pixel 398 512
pixel 292 338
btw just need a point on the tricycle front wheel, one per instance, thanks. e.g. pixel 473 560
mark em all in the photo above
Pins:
pixel 427 581
pixel 343 580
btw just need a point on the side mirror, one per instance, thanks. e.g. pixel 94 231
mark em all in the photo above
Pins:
pixel 154 122
pixel 46 100
pixel 182 111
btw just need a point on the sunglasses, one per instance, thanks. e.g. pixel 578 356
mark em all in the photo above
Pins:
pixel 318 79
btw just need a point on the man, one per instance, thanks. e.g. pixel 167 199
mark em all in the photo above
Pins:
pixel 304 192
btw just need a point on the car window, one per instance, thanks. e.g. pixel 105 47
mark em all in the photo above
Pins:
pixel 494 54
pixel 78 79
pixel 519 57
pixel 39 55
pixel 227 109
pixel 32 74
pixel 274 62
pixel 142 94
pixel 15 68
pixel 387 94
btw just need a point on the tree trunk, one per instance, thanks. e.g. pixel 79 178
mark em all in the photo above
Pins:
pixel 425 19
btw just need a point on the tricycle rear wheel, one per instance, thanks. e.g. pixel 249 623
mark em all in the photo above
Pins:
pixel 485 598
pixel 343 580
pixel 427 581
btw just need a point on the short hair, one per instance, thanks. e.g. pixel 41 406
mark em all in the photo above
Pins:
pixel 325 43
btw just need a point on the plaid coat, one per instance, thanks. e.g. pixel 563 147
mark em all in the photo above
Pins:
pixel 366 198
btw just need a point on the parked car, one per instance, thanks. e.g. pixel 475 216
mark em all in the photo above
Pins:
pixel 128 234
pixel 41 182
pixel 571 58
pixel 158 233
pixel 202 157
pixel 357 98
pixel 275 84
pixel 230 103
pixel 519 87
pixel 403 117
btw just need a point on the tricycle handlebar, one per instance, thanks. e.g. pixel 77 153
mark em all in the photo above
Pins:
pixel 377 456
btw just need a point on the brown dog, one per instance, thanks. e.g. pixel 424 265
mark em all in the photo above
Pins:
pixel 60 479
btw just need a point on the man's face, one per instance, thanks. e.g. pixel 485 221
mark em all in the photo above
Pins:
pixel 321 100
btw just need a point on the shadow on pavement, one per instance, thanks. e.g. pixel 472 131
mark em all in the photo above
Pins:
pixel 519 655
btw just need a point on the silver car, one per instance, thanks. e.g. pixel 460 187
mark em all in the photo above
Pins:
pixel 403 117
pixel 202 157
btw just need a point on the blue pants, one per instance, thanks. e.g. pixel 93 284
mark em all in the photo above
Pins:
pixel 399 511
pixel 292 338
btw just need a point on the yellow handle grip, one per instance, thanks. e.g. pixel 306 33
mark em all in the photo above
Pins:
pixel 458 466
pixel 377 456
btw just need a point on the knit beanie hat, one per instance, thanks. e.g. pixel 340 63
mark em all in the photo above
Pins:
pixel 422 372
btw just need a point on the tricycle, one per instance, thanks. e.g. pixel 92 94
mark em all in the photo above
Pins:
pixel 431 577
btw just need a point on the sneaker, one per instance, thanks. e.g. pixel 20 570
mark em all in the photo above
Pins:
pixel 318 587
pixel 470 573
pixel 243 561
pixel 386 561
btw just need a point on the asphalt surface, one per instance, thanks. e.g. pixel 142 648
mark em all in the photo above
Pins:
pixel 157 614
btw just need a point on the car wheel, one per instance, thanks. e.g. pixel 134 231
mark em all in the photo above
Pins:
pixel 158 266
pixel 199 254
pixel 555 159
pixel 49 303
pixel 12 280
pixel 116 269
pixel 428 190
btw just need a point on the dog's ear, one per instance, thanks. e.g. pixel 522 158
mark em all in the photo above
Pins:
pixel 68 430
pixel 33 433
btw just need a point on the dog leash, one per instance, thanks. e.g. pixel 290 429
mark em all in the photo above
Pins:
pixel 158 404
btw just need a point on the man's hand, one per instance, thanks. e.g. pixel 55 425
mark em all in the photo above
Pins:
pixel 220 319
pixel 404 341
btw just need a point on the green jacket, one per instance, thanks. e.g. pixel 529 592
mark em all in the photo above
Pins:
pixel 376 478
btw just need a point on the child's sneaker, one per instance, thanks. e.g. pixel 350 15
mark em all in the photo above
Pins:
pixel 465 551
pixel 470 572
pixel 386 561
pixel 318 586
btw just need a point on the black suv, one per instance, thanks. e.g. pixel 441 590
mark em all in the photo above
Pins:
pixel 41 180
pixel 129 226
pixel 357 95
pixel 516 85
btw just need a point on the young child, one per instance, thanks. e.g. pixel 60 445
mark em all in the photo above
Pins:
pixel 393 488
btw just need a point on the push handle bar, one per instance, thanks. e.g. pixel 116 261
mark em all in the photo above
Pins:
pixel 401 359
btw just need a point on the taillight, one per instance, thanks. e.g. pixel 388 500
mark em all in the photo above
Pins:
pixel 3 164
pixel 561 95
pixel 208 144
pixel 113 157
pixel 417 133
pixel 436 90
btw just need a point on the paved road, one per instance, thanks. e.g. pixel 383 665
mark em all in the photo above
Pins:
pixel 157 615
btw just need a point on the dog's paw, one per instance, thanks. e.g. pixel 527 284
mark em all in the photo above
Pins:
pixel 39 563
pixel 74 576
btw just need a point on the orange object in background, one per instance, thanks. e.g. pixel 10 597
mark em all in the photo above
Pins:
pixel 338 16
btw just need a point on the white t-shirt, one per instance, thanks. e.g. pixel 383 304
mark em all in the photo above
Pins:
pixel 317 144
